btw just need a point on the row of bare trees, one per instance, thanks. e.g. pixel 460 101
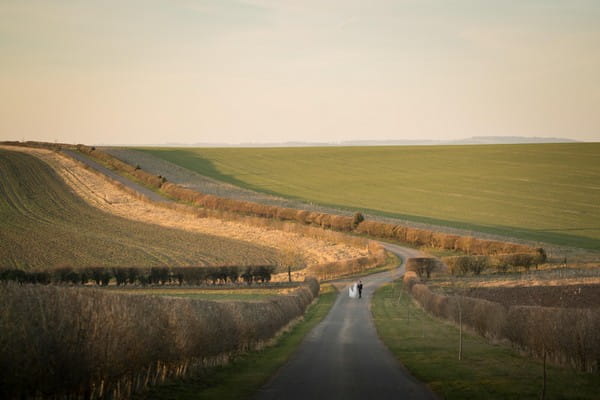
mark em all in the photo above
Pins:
pixel 66 342
pixel 102 276
pixel 462 265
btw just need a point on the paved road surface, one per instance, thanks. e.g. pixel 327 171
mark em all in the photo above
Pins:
pixel 343 358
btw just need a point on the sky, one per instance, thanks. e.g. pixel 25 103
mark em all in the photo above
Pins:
pixel 239 71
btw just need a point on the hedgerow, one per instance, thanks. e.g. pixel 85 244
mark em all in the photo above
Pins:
pixel 567 336
pixel 102 276
pixel 61 342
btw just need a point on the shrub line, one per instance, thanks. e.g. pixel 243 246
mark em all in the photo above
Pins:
pixel 566 336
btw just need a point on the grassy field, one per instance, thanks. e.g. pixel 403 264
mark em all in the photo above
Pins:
pixel 237 294
pixel 248 373
pixel 429 349
pixel 544 192
pixel 44 225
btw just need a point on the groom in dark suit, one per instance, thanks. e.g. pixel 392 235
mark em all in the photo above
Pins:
pixel 359 286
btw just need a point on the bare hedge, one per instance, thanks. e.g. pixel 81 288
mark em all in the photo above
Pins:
pixel 86 343
pixel 461 265
pixel 326 271
pixel 423 266
pixel 422 237
pixel 568 336
pixel 102 276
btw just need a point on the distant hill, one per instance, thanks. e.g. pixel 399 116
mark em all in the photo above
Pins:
pixel 510 140
pixel 471 140
pixel 424 142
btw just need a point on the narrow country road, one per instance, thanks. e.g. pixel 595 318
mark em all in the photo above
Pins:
pixel 343 358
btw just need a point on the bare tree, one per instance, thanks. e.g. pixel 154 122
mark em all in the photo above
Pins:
pixel 458 287
pixel 291 259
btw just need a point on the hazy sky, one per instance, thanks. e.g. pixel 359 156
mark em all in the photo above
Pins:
pixel 157 71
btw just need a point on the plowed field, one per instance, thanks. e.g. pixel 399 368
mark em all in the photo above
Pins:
pixel 43 224
pixel 570 296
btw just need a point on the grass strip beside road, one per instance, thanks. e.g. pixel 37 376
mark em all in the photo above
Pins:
pixel 428 348
pixel 248 373
pixel 217 294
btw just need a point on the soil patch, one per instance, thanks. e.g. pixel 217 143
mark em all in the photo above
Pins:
pixel 566 296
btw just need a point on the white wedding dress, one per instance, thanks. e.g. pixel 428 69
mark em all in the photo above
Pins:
pixel 353 291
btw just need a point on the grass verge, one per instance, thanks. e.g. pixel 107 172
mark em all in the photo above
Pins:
pixel 236 294
pixel 428 348
pixel 245 376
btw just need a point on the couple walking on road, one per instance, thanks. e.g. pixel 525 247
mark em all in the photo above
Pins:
pixel 356 290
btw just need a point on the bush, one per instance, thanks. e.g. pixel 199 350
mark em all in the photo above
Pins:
pixel 121 275
pixel 144 276
pixel 351 266
pixel 461 265
pixel 357 219
pixel 422 266
pixel 567 336
pixel 503 262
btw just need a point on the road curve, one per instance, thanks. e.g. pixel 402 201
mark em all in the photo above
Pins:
pixel 343 358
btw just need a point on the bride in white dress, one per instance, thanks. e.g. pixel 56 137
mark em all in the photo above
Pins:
pixel 353 291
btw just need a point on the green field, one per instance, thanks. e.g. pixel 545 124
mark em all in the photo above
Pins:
pixel 44 225
pixel 236 294
pixel 543 192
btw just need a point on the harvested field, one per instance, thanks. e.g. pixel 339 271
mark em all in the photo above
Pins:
pixel 100 193
pixel 44 225
pixel 566 296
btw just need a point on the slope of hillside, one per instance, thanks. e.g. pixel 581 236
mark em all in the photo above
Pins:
pixel 43 224
pixel 541 192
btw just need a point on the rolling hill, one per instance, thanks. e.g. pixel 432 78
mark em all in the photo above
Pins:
pixel 43 225
pixel 540 192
